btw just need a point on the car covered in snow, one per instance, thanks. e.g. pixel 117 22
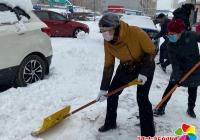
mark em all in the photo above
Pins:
pixel 25 50
pixel 145 23
pixel 168 13
pixel 61 25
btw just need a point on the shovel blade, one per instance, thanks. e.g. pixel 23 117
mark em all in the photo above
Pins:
pixel 52 120
pixel 134 82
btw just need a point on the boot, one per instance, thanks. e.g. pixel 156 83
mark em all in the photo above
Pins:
pixel 191 113
pixel 159 112
pixel 105 128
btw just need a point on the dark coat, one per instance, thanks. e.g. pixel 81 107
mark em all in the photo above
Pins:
pixel 183 55
pixel 163 31
pixel 182 13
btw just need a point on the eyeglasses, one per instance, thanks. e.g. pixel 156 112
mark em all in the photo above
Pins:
pixel 105 29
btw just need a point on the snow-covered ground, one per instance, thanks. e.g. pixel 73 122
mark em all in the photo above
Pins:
pixel 74 79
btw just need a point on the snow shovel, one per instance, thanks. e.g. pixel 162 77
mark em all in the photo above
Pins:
pixel 188 73
pixel 60 115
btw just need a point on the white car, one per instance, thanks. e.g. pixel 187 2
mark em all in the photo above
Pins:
pixel 25 50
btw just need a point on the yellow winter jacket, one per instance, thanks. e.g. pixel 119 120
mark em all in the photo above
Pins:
pixel 132 44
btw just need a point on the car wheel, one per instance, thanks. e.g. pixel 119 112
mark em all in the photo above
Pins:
pixel 32 69
pixel 76 31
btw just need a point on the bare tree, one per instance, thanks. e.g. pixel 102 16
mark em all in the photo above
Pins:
pixel 148 6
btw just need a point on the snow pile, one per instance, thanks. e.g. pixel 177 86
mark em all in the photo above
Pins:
pixel 181 1
pixel 140 21
pixel 8 17
pixel 21 28
pixel 23 4
pixel 82 35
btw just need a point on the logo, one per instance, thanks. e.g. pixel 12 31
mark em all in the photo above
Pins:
pixel 186 132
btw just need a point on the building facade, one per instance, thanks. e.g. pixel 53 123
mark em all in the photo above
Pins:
pixel 147 6
pixel 128 4
pixel 94 5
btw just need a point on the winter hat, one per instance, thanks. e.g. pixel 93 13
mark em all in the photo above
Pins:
pixel 161 15
pixel 176 26
pixel 109 20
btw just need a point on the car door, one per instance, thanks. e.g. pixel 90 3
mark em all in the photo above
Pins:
pixel 58 23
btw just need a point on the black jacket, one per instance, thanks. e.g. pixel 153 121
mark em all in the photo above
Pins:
pixel 183 55
pixel 182 13
pixel 163 31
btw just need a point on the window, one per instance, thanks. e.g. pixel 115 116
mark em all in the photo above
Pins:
pixel 3 7
pixel 19 12
pixel 55 16
pixel 42 15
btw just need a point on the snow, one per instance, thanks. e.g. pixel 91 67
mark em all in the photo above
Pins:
pixel 181 1
pixel 24 4
pixel 57 10
pixel 82 35
pixel 8 17
pixel 140 21
pixel 74 79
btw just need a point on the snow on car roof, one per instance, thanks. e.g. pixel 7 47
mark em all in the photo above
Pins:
pixel 7 17
pixel 58 10
pixel 140 21
pixel 26 5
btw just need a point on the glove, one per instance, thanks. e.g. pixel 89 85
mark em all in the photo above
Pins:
pixel 142 78
pixel 101 96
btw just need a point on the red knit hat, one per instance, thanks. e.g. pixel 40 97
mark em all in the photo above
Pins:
pixel 176 26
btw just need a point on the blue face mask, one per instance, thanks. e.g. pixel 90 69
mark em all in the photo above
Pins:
pixel 172 38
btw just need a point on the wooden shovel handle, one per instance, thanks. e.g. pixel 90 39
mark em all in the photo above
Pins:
pixel 134 82
pixel 195 67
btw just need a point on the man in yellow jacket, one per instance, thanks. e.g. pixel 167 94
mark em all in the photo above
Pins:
pixel 135 50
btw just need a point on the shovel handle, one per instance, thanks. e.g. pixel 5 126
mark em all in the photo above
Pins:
pixel 195 67
pixel 134 82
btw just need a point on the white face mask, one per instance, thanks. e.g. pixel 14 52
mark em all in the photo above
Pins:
pixel 107 36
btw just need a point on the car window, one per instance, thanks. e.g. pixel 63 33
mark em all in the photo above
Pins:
pixel 3 7
pixel 20 13
pixel 42 15
pixel 55 16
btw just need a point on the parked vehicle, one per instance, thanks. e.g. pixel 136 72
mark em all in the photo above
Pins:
pixel 196 27
pixel 134 12
pixel 61 25
pixel 145 23
pixel 91 16
pixel 25 50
